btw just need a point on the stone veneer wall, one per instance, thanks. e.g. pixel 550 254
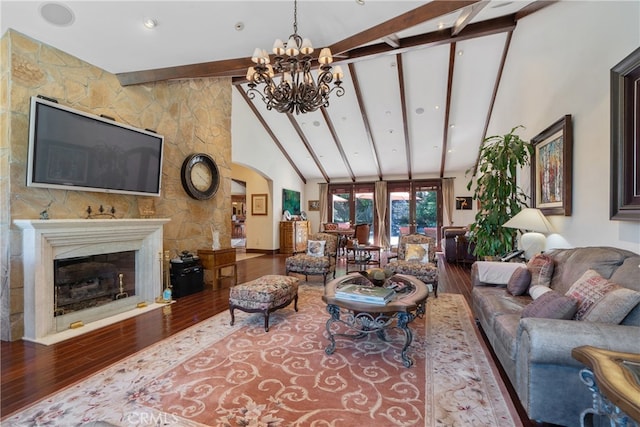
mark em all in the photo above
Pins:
pixel 193 115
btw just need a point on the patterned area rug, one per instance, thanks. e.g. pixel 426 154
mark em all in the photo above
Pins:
pixel 214 374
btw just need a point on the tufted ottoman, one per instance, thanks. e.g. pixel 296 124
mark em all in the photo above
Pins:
pixel 264 295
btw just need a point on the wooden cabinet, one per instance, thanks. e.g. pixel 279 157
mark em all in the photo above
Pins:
pixel 215 261
pixel 293 236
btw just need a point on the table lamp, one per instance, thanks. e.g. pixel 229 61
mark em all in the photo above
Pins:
pixel 536 226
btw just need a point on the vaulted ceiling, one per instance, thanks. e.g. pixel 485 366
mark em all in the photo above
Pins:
pixel 420 77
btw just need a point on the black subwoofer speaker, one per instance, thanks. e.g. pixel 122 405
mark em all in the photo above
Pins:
pixel 186 278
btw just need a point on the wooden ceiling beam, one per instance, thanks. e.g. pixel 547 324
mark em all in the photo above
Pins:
pixel 405 123
pixel 365 120
pixel 336 139
pixel 447 112
pixel 496 85
pixel 427 12
pixel 308 146
pixel 436 38
pixel 238 67
pixel 267 128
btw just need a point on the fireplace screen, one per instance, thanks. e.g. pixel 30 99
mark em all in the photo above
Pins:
pixel 92 281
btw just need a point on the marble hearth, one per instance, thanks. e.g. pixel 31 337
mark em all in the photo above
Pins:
pixel 44 241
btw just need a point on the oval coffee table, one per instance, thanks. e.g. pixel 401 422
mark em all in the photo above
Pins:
pixel 361 318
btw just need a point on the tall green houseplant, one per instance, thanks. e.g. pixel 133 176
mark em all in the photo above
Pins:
pixel 497 191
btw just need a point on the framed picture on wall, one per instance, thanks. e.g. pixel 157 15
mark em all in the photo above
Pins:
pixel 551 163
pixel 625 139
pixel 259 204
pixel 463 203
pixel 314 205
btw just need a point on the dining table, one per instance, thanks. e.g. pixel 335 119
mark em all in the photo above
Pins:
pixel 343 235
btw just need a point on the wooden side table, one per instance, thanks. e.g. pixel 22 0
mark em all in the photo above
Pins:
pixel 614 380
pixel 216 260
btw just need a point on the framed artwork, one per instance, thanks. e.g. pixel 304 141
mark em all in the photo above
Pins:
pixel 551 164
pixel 463 203
pixel 314 205
pixel 259 204
pixel 625 139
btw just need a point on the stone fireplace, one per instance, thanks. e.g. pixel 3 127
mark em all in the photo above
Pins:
pixel 46 241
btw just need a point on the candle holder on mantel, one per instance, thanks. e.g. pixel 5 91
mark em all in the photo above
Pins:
pixel 102 213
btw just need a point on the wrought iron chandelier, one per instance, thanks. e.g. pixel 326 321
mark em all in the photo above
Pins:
pixel 297 91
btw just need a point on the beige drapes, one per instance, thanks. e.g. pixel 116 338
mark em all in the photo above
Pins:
pixel 381 211
pixel 324 209
pixel 448 198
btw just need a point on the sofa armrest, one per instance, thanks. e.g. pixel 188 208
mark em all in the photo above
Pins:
pixel 550 341
pixel 493 273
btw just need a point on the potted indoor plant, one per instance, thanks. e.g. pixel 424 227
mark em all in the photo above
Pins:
pixel 498 194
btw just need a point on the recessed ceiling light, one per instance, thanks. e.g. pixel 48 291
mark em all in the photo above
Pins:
pixel 437 107
pixel 394 151
pixel 419 110
pixel 149 23
pixel 239 26
pixel 360 2
pixel 57 14
pixel 355 153
pixel 460 53
pixel 316 123
pixel 452 126
pixel 440 25
pixel 388 113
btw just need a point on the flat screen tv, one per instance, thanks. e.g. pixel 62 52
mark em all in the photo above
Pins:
pixel 291 201
pixel 74 150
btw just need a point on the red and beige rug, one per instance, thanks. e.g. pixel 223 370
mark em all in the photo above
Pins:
pixel 214 374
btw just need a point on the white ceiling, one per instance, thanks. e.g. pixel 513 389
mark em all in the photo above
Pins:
pixel 110 35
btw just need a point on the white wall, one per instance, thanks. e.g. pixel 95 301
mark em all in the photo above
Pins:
pixel 559 63
pixel 252 147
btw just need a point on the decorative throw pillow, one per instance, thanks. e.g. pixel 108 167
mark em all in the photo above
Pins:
pixel 538 290
pixel 417 252
pixel 519 281
pixel 344 225
pixel 331 226
pixel 551 305
pixel 541 268
pixel 600 300
pixel 315 248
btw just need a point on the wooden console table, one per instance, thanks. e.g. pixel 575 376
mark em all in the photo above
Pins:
pixel 613 378
pixel 216 260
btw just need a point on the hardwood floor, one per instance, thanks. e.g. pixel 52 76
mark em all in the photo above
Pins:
pixel 31 371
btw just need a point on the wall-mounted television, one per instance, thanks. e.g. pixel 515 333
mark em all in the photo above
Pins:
pixel 291 201
pixel 74 150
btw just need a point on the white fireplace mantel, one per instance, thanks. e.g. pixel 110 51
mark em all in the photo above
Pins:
pixel 44 241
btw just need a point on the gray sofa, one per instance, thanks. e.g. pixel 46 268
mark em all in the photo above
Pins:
pixel 536 352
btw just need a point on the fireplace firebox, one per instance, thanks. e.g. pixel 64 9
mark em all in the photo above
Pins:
pixel 92 281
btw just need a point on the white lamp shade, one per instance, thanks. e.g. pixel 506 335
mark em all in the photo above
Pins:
pixel 530 219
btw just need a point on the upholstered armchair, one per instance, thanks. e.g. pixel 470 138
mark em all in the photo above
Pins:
pixel 319 258
pixel 416 257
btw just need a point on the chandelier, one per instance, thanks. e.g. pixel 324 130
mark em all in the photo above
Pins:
pixel 296 89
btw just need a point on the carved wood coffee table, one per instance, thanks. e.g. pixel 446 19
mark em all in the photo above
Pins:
pixel 360 319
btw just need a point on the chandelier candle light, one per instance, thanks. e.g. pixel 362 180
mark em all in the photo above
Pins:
pixel 297 91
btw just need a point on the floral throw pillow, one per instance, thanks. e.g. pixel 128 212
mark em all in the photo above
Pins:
pixel 315 248
pixel 417 252
pixel 600 300
pixel 541 268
